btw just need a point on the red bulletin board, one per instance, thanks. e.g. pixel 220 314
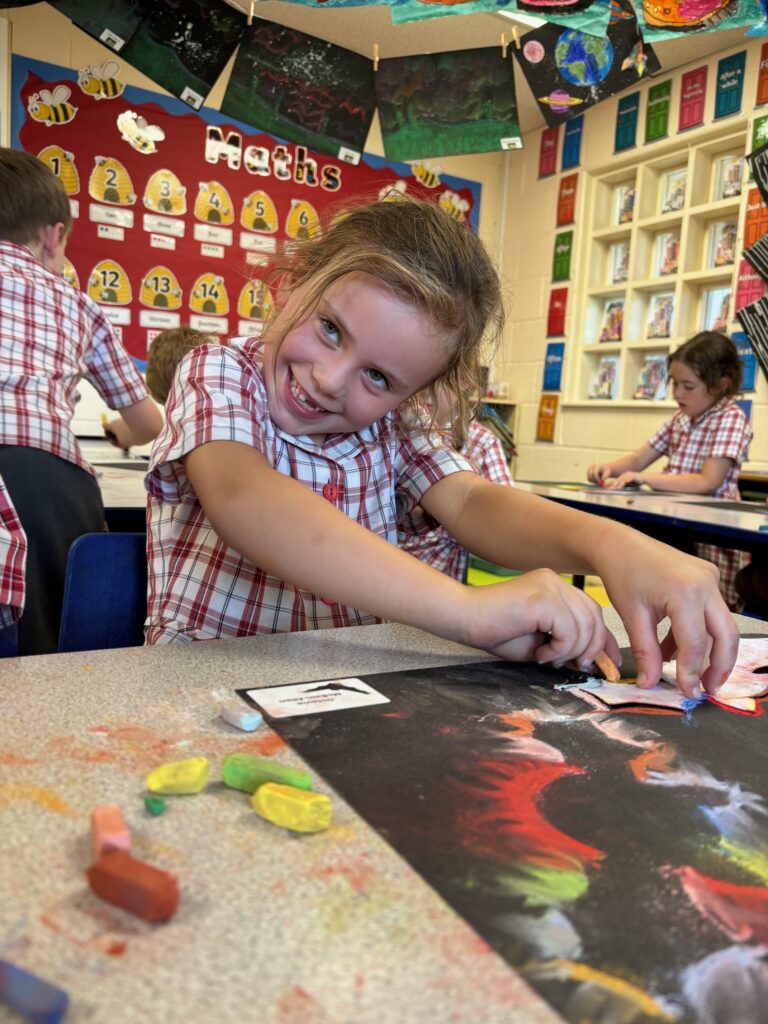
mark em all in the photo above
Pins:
pixel 175 211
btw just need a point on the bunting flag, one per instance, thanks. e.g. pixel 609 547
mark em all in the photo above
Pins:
pixel 112 22
pixel 442 104
pixel 754 320
pixel 585 15
pixel 673 19
pixel 302 89
pixel 758 165
pixel 183 45
pixel 569 71
pixel 757 256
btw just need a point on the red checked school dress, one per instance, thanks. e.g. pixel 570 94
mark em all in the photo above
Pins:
pixel 430 542
pixel 199 588
pixel 13 556
pixel 721 432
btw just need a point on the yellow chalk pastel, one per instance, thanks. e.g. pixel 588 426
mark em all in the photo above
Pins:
pixel 297 809
pixel 188 776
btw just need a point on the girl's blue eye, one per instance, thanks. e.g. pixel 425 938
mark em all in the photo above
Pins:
pixel 329 329
pixel 377 378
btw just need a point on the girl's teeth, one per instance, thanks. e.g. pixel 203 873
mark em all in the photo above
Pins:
pixel 302 397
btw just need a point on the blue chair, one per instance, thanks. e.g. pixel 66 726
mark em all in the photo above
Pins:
pixel 105 592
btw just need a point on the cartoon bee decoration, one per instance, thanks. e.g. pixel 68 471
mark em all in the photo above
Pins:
pixel 160 289
pixel 392 193
pixel 69 274
pixel 62 164
pixel 137 132
pixel 98 81
pixel 214 204
pixel 427 173
pixel 108 284
pixel 259 213
pixel 51 107
pixel 209 295
pixel 454 205
pixel 165 194
pixel 255 301
pixel 111 183
pixel 302 221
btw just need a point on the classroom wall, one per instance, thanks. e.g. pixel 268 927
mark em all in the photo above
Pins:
pixel 517 223
pixel 585 434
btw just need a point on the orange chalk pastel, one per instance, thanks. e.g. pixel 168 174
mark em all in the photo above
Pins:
pixel 108 829
pixel 607 667
pixel 133 885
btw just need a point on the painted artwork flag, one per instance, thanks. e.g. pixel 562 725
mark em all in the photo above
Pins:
pixel 444 104
pixel 758 165
pixel 302 89
pixel 569 71
pixel 112 22
pixel 184 46
pixel 754 319
pixel 676 19
pixel 585 15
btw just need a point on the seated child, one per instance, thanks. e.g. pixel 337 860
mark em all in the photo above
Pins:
pixel 706 440
pixel 289 461
pixel 425 538
pixel 13 557
pixel 165 352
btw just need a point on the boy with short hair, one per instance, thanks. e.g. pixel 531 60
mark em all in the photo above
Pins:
pixel 165 353
pixel 51 336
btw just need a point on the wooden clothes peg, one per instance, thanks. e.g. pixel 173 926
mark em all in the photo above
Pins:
pixel 504 45
pixel 375 56
pixel 250 12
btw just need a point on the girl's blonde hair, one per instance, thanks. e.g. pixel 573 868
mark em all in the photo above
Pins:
pixel 426 258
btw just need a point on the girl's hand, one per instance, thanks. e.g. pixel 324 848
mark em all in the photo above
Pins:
pixel 648 581
pixel 599 473
pixel 538 616
pixel 629 479
pixel 117 432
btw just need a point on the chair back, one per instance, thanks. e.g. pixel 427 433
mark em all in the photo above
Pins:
pixel 105 592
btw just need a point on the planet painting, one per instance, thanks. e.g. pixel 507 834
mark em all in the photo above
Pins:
pixel 583 60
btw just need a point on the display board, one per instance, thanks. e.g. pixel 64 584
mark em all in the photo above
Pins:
pixel 176 211
pixel 616 858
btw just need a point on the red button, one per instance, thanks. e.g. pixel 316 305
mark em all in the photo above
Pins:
pixel 331 492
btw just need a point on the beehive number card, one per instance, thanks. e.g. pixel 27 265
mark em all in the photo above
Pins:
pixel 176 212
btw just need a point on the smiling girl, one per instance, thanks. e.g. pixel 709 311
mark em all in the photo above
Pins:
pixel 288 461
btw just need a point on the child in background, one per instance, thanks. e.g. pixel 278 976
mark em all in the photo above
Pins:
pixel 51 336
pixel 165 353
pixel 287 462
pixel 13 557
pixel 426 539
pixel 706 441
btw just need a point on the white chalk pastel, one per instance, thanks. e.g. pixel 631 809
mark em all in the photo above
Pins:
pixel 242 717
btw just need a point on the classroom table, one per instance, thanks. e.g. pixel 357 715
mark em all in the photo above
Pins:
pixel 677 520
pixel 273 927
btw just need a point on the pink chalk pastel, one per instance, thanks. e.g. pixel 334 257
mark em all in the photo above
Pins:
pixel 108 830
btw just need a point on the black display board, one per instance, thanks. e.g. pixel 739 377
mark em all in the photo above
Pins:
pixel 616 859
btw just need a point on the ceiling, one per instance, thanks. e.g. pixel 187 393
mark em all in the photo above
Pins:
pixel 359 28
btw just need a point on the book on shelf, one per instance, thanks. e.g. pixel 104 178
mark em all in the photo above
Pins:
pixel 673 191
pixel 715 303
pixel 619 262
pixel 729 172
pixel 613 321
pixel 667 253
pixel 652 378
pixel 722 244
pixel 625 204
pixel 606 379
pixel 660 316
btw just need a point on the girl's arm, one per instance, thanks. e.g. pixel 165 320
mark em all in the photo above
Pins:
pixel 645 580
pixel 706 481
pixel 287 530
pixel 602 471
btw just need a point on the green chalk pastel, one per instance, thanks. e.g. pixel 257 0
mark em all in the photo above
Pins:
pixel 246 772
pixel 155 805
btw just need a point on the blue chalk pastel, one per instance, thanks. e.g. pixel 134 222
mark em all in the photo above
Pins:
pixel 241 716
pixel 38 1000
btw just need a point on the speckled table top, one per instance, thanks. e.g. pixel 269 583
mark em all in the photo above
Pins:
pixel 272 927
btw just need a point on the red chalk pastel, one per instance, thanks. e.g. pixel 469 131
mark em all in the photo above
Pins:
pixel 108 829
pixel 133 885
